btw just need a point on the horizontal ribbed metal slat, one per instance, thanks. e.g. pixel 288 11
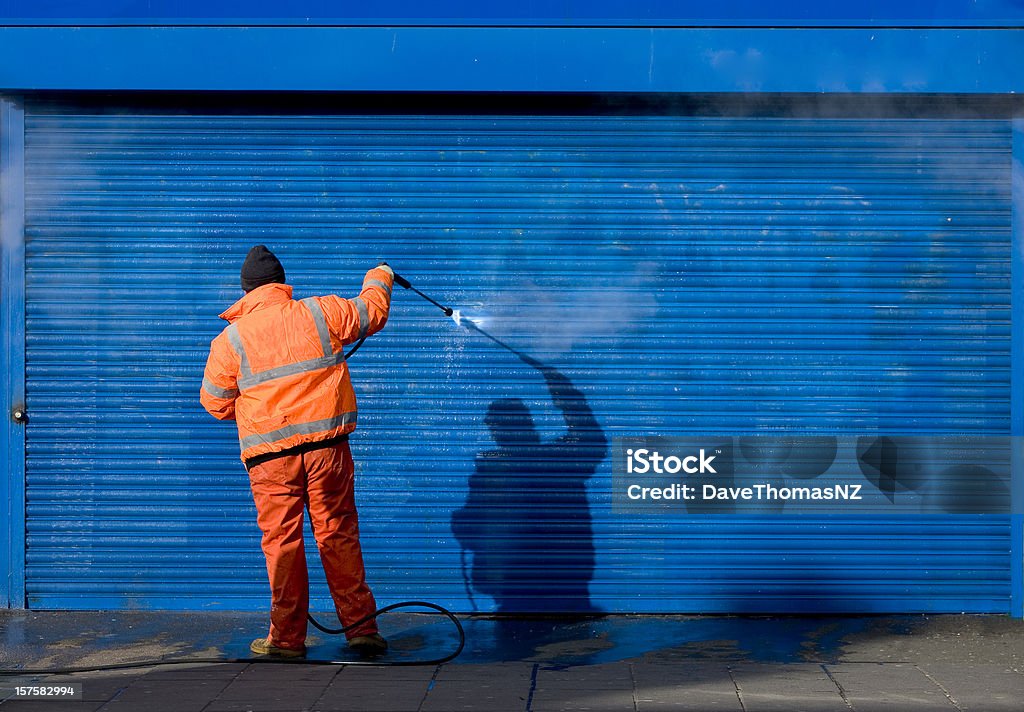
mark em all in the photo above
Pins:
pixel 686 275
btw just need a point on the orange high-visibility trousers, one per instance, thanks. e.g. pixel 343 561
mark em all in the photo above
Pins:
pixel 323 481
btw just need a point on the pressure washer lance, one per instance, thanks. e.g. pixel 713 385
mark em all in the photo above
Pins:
pixel 448 311
pixel 330 631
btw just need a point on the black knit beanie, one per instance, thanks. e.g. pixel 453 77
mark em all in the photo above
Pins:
pixel 261 267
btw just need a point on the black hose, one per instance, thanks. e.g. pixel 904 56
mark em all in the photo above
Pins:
pixel 403 604
pixel 354 348
pixel 284 661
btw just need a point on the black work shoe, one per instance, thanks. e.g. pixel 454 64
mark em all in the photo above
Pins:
pixel 369 645
pixel 263 646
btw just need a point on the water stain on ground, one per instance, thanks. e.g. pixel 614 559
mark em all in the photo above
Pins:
pixel 62 639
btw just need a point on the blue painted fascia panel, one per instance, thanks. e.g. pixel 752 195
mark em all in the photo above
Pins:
pixel 12 336
pixel 448 59
pixel 565 13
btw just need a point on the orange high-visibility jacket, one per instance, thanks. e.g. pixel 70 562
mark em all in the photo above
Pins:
pixel 278 368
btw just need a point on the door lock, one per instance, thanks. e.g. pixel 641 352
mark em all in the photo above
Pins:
pixel 19 415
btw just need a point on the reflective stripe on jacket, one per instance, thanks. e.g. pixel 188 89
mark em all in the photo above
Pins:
pixel 278 368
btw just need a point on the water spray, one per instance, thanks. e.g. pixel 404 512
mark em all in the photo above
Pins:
pixel 473 326
pixel 466 322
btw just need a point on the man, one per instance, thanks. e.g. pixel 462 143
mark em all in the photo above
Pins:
pixel 278 370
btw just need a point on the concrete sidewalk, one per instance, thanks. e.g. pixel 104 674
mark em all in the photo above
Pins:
pixel 614 663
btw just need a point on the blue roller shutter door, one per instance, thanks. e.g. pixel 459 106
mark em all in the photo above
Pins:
pixel 682 275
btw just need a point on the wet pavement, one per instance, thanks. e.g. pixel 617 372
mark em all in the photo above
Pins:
pixel 598 663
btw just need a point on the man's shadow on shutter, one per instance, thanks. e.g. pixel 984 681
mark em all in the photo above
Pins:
pixel 527 521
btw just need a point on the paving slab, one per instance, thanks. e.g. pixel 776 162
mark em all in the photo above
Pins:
pixel 685 673
pixel 166 696
pixel 371 693
pixel 197 671
pixel 505 670
pixel 793 687
pixel 668 698
pixel 270 673
pixel 605 676
pixel 684 687
pixel 257 695
pixel 893 687
pixel 46 706
pixel 470 695
pixel 979 688
pixel 690 702
pixel 582 700
pixel 374 677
